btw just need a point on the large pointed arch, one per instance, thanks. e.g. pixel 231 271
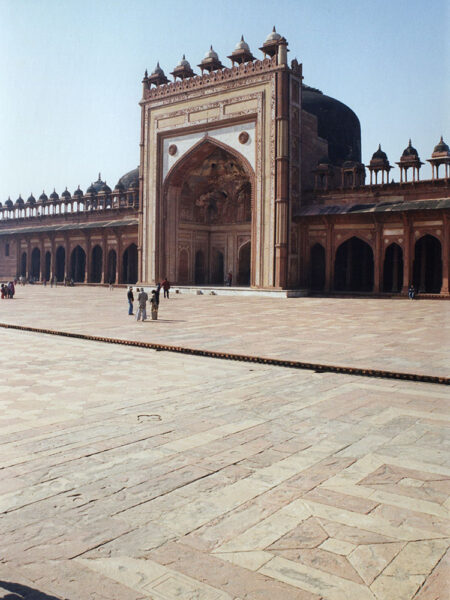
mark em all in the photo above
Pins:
pixel 230 204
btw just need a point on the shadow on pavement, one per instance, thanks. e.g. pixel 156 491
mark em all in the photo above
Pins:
pixel 22 592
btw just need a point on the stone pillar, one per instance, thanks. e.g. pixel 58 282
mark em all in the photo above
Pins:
pixel 42 265
pixel 52 258
pixel 119 257
pixel 378 259
pixel 445 255
pixel 282 173
pixel 87 270
pixel 329 259
pixel 104 277
pixel 407 255
pixel 28 270
pixel 66 257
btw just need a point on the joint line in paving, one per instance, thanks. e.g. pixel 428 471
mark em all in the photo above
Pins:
pixel 277 362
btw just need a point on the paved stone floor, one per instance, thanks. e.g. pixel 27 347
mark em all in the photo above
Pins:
pixel 130 474
pixel 399 335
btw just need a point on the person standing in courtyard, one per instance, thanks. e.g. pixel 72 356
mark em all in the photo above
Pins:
pixel 229 278
pixel 157 292
pixel 130 297
pixel 142 308
pixel 166 287
pixel 411 292
pixel 154 304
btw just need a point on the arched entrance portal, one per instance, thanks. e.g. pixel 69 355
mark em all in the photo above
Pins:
pixel 208 203
pixel 317 267
pixel 393 269
pixel 130 264
pixel 23 264
pixel 353 267
pixel 48 262
pixel 243 277
pixel 199 267
pixel 217 267
pixel 112 266
pixel 96 264
pixel 60 263
pixel 78 264
pixel 36 264
pixel 427 269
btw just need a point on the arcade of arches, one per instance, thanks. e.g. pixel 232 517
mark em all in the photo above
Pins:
pixel 82 262
pixel 354 268
pixel 209 216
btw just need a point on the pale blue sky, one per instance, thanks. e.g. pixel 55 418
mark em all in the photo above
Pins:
pixel 71 71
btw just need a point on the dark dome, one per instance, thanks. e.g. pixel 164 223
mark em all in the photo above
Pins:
pixel 9 203
pixel 337 123
pixel 106 188
pixel 54 195
pixel 43 197
pixel 31 199
pixel 78 192
pixel 410 151
pixel 97 186
pixel 129 180
pixel 379 154
pixel 20 200
pixel 66 193
pixel 441 147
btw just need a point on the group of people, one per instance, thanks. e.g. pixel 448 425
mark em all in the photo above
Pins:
pixel 8 290
pixel 142 300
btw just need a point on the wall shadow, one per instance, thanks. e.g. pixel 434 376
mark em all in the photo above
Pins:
pixel 22 592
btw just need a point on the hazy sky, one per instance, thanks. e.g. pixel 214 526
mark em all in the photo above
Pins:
pixel 71 71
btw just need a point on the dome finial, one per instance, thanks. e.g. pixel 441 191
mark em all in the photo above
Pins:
pixel 274 30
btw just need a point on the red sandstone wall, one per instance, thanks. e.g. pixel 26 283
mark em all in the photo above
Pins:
pixel 313 149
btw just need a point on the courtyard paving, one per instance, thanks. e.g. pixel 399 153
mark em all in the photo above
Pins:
pixel 132 474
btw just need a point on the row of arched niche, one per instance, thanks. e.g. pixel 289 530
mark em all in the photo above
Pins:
pixel 76 266
pixel 354 267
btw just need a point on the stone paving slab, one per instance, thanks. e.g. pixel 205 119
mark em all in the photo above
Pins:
pixel 131 474
pixel 394 335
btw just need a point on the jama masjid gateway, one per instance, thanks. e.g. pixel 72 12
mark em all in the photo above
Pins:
pixel 244 169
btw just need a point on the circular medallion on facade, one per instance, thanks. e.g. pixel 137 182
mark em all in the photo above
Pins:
pixel 243 137
pixel 172 149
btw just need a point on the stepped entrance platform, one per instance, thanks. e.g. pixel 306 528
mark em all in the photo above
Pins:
pixel 222 290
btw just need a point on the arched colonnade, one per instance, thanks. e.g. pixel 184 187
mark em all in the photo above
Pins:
pixel 82 262
pixel 354 268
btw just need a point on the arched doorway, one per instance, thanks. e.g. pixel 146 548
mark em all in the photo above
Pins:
pixel 427 268
pixel 208 207
pixel 217 267
pixel 23 264
pixel 60 263
pixel 36 264
pixel 183 267
pixel 353 267
pixel 48 262
pixel 130 264
pixel 78 264
pixel 112 266
pixel 199 267
pixel 393 269
pixel 96 264
pixel 317 267
pixel 243 277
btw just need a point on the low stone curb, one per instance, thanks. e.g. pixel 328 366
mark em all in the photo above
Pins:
pixel 277 362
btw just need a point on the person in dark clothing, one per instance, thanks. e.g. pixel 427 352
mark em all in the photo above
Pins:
pixel 166 287
pixel 157 291
pixel 130 300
